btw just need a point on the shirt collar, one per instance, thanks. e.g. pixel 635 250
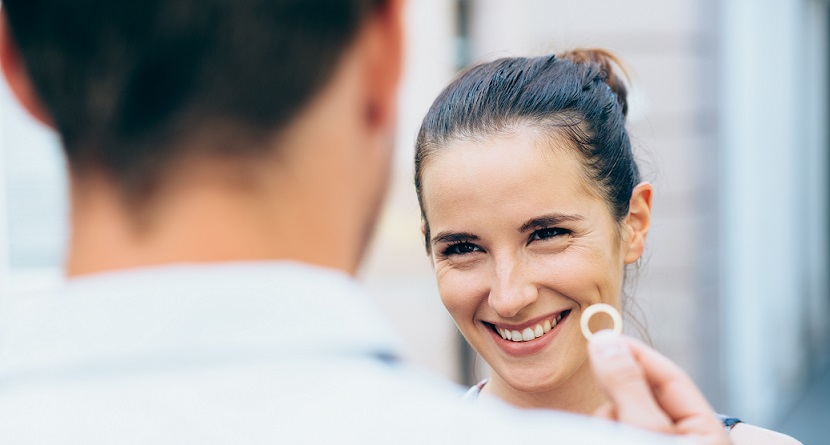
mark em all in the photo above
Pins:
pixel 220 312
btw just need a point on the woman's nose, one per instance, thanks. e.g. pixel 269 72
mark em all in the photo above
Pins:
pixel 511 291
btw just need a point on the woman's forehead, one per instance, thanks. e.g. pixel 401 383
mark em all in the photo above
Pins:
pixel 512 171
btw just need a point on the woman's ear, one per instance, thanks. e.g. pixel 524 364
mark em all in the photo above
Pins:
pixel 638 221
pixel 16 75
pixel 425 234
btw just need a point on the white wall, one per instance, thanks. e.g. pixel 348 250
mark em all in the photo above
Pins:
pixel 816 196
pixel 772 80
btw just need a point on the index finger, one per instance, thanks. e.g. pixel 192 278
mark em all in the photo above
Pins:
pixel 624 382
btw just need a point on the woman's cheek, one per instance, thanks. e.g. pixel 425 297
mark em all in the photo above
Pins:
pixel 554 268
pixel 570 274
pixel 461 291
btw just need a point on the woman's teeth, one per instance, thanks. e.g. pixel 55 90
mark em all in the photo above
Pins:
pixel 529 333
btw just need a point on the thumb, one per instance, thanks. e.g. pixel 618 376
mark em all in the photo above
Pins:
pixel 624 383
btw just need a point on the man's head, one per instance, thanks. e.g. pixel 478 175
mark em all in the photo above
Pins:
pixel 139 91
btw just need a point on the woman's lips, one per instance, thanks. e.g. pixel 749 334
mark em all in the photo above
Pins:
pixel 527 338
pixel 534 331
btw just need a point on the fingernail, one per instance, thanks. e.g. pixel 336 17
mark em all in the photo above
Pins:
pixel 606 343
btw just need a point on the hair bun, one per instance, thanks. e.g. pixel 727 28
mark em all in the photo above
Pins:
pixel 607 62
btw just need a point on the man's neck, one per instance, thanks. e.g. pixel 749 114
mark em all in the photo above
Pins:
pixel 199 221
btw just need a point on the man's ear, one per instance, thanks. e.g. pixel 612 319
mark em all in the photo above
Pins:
pixel 638 221
pixel 385 35
pixel 17 76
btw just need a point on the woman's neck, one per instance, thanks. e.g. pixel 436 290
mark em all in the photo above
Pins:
pixel 579 393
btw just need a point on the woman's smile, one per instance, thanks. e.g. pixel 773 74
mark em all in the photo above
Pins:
pixel 530 330
pixel 529 337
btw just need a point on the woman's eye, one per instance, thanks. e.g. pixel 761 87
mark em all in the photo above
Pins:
pixel 543 234
pixel 460 249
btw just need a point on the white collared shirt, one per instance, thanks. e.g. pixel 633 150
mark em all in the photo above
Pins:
pixel 268 352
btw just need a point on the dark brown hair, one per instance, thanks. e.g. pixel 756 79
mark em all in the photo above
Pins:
pixel 125 82
pixel 576 94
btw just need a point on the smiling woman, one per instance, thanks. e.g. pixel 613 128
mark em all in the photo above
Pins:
pixel 532 206
pixel 522 242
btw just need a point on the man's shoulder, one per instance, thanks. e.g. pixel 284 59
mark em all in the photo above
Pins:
pixel 296 401
pixel 291 401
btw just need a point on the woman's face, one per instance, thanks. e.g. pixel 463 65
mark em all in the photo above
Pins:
pixel 521 246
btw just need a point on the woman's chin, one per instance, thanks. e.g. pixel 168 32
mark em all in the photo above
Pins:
pixel 531 381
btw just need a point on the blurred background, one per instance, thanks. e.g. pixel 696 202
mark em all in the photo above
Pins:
pixel 730 106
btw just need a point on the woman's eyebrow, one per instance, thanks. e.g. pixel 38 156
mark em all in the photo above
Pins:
pixel 549 220
pixel 451 237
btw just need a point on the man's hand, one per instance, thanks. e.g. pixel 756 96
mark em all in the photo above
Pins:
pixel 647 390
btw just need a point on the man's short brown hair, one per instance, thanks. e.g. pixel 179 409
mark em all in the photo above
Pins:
pixel 125 82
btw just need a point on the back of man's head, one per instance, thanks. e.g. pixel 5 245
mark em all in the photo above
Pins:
pixel 130 84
